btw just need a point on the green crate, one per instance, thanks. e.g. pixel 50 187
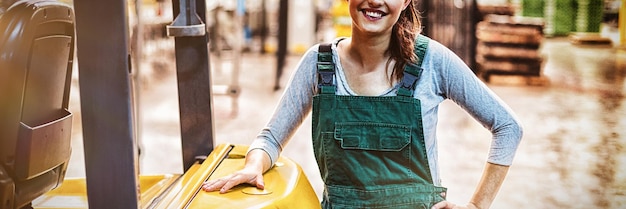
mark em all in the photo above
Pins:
pixel 565 16
pixel 533 8
pixel 564 19
pixel 589 15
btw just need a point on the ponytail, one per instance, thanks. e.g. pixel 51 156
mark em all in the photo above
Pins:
pixel 402 43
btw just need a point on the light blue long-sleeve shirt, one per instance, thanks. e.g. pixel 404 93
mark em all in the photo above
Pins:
pixel 445 76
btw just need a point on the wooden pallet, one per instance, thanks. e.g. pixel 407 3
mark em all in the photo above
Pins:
pixel 505 51
pixel 516 21
pixel 530 67
pixel 496 10
pixel 508 49
pixel 589 39
pixel 508 34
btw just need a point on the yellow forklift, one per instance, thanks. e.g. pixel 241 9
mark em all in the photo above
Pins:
pixel 37 44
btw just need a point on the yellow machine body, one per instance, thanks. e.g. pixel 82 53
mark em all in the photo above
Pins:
pixel 286 186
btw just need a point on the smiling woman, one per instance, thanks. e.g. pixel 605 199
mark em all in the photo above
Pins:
pixel 374 98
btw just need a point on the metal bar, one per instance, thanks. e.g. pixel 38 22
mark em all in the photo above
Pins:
pixel 283 13
pixel 233 86
pixel 194 91
pixel 137 45
pixel 263 30
pixel 106 109
pixel 217 37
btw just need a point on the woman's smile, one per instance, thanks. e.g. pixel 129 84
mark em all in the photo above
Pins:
pixel 373 14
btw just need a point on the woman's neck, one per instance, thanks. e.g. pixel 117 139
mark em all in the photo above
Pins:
pixel 365 62
pixel 368 50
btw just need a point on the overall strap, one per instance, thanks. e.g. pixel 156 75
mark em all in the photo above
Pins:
pixel 325 69
pixel 412 71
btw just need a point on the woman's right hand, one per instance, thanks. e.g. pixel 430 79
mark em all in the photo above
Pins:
pixel 257 162
pixel 243 176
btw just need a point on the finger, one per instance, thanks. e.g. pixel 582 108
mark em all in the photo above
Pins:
pixel 232 182
pixel 260 184
pixel 210 186
pixel 443 205
pixel 235 180
pixel 209 183
pixel 214 185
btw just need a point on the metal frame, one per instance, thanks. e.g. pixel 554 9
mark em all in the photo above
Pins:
pixel 105 76
pixel 107 114
pixel 194 89
pixel 281 54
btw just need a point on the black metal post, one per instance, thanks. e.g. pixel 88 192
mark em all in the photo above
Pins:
pixel 283 13
pixel 194 90
pixel 216 35
pixel 263 30
pixel 106 109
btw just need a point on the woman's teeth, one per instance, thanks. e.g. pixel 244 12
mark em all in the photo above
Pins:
pixel 373 14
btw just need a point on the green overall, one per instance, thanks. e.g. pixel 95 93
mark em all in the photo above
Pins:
pixel 370 150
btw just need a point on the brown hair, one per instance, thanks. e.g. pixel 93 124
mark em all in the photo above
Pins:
pixel 402 43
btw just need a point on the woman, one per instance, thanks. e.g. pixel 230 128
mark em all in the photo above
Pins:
pixel 375 115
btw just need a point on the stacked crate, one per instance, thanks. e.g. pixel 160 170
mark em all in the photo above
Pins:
pixel 509 45
pixel 565 16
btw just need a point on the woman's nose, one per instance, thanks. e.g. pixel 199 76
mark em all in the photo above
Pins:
pixel 375 3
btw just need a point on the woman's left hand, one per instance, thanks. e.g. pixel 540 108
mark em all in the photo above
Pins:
pixel 449 205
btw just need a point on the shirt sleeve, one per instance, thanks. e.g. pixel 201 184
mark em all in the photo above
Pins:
pixel 294 106
pixel 462 86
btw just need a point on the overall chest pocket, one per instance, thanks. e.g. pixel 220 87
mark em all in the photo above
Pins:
pixel 365 154
pixel 372 136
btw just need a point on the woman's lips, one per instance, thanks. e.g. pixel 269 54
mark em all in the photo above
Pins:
pixel 373 14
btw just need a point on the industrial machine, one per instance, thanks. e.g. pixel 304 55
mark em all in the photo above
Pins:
pixel 36 58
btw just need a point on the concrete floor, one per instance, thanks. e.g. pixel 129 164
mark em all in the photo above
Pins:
pixel 573 154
